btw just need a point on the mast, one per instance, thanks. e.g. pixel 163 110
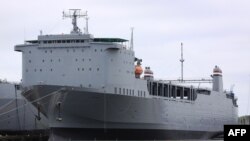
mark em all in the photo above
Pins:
pixel 87 24
pixel 74 14
pixel 132 39
pixel 181 60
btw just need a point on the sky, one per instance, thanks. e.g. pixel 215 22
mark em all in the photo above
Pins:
pixel 213 32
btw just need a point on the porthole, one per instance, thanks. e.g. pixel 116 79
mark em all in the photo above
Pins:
pixel 95 50
pixel 50 51
pixel 45 51
pixel 51 60
pixel 35 70
pixel 43 60
pixel 41 70
pixel 90 69
pixel 29 52
pixel 78 69
pixel 29 61
pixel 76 60
pixel 59 60
pixel 51 69
pixel 98 69
pixel 83 59
pixel 89 59
pixel 82 69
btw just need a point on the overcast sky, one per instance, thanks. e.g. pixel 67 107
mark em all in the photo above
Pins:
pixel 214 32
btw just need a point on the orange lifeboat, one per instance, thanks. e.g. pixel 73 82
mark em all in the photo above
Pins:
pixel 138 71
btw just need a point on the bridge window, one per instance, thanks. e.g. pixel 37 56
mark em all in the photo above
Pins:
pixel 203 91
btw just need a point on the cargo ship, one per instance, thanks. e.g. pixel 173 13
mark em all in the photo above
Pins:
pixel 95 88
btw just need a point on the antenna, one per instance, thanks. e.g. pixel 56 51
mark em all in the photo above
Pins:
pixel 87 26
pixel 181 60
pixel 132 39
pixel 74 14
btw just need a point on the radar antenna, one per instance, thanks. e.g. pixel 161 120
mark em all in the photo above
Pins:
pixel 74 14
pixel 181 60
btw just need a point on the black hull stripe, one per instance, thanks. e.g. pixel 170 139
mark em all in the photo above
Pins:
pixel 130 134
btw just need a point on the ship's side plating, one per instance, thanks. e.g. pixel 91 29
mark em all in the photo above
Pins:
pixel 16 113
pixel 109 111
pixel 81 82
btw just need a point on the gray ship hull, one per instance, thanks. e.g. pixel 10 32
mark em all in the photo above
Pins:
pixel 79 113
pixel 16 113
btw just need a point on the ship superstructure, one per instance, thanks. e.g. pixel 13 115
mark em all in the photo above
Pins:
pixel 92 88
